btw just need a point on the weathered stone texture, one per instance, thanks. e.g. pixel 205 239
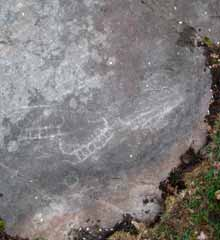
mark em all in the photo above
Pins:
pixel 95 96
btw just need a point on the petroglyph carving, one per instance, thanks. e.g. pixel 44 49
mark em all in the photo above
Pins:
pixel 148 89
pixel 71 180
pixel 137 122
pixel 40 133
pixel 86 150
pixel 42 127
pixel 142 120
pixel 103 135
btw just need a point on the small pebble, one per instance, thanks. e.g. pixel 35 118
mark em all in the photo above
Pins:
pixel 217 195
pixel 202 236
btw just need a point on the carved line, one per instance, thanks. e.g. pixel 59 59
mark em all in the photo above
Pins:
pixel 143 119
pixel 46 132
pixel 87 150
pixel 27 108
pixel 41 133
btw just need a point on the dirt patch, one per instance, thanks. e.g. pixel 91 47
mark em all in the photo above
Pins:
pixel 4 236
pixel 97 233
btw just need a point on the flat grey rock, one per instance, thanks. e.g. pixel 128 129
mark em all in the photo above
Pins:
pixel 98 99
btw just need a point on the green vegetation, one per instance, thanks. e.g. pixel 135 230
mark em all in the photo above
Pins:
pixel 122 236
pixel 2 225
pixel 208 42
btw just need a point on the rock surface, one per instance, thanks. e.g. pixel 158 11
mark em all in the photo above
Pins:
pixel 98 99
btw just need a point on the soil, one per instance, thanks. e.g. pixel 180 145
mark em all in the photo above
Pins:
pixel 4 236
pixel 97 233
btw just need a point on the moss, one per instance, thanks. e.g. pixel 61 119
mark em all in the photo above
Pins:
pixel 208 42
pixel 122 236
pixel 2 225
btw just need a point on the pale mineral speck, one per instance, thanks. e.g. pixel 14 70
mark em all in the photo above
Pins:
pixel 12 146
pixel 111 61
pixel 202 236
pixel 47 112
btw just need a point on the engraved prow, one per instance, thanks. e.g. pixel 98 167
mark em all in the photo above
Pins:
pixel 84 151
